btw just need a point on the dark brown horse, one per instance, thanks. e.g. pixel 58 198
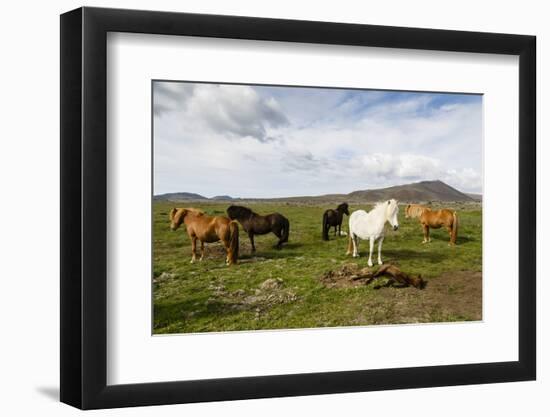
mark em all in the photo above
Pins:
pixel 255 224
pixel 333 218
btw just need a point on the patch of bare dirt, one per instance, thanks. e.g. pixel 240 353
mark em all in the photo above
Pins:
pixel 452 296
pixel 268 294
pixel 217 251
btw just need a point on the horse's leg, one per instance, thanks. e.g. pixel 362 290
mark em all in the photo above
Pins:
pixel 251 237
pixel 202 250
pixel 193 248
pixel 279 233
pixel 355 246
pixel 380 250
pixel 371 247
pixel 227 249
pixel 426 229
pixel 450 230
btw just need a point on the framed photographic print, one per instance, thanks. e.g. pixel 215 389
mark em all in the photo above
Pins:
pixel 259 207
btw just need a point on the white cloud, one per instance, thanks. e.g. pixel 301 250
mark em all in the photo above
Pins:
pixel 233 110
pixel 261 142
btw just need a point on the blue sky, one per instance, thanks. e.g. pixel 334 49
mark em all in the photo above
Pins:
pixel 269 141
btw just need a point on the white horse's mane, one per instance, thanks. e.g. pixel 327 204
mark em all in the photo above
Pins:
pixel 380 204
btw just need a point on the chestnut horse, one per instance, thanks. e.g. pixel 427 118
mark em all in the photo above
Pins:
pixel 333 218
pixel 436 219
pixel 207 229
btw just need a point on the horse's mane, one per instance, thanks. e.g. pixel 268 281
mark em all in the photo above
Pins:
pixel 380 205
pixel 342 205
pixel 416 210
pixel 239 212
pixel 195 211
pixel 179 212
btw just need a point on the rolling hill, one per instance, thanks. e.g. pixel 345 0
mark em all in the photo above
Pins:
pixel 179 197
pixel 414 192
pixel 419 191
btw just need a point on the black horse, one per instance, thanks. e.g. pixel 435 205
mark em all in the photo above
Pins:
pixel 334 218
pixel 254 224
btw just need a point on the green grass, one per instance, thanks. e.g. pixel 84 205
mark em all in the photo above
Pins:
pixel 200 297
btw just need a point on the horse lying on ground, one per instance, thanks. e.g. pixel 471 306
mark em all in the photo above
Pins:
pixel 333 218
pixel 371 226
pixel 434 219
pixel 255 224
pixel 207 229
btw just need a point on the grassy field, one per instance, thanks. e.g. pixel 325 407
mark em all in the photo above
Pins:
pixel 209 296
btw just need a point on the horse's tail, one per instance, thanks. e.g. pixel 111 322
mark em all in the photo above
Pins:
pixel 286 230
pixel 233 242
pixel 350 244
pixel 325 226
pixel 454 230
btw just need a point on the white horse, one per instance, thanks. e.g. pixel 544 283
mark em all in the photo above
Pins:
pixel 371 226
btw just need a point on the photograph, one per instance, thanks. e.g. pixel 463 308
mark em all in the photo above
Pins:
pixel 312 208
pixel 299 207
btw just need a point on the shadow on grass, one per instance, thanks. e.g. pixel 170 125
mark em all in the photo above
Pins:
pixel 287 251
pixel 397 254
pixel 192 314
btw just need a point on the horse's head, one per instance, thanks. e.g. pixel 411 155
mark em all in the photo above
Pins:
pixel 344 208
pixel 177 215
pixel 392 210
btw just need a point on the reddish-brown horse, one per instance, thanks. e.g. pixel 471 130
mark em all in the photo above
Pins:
pixel 434 219
pixel 207 229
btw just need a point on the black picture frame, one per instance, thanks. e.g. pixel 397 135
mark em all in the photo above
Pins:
pixel 84 207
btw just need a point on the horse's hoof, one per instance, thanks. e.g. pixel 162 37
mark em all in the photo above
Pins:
pixel 192 261
pixel 379 262
pixel 370 264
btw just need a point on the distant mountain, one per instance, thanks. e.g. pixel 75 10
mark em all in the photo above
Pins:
pixel 415 192
pixel 476 197
pixel 222 198
pixel 179 197
pixel 419 191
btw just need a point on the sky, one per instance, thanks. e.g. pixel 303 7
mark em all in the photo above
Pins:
pixel 273 141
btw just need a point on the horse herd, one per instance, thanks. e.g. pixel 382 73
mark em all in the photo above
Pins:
pixel 362 225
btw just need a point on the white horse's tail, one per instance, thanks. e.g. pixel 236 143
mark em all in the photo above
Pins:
pixel 350 245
